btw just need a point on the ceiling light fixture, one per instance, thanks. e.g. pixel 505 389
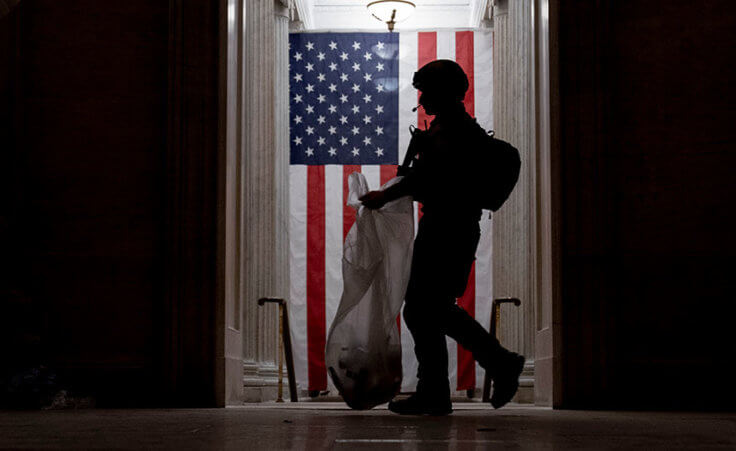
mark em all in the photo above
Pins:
pixel 391 11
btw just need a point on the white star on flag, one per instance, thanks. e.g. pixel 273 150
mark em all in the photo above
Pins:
pixel 297 77
pixel 356 109
pixel 321 98
pixel 356 151
pixel 297 119
pixel 356 45
pixel 343 56
pixel 343 77
pixel 310 151
pixel 343 141
pixel 379 151
pixel 310 45
pixel 367 119
pixel 379 67
pixel 321 77
pixel 332 130
pixel 332 109
pixel 343 98
pixel 310 109
pixel 310 130
pixel 367 76
pixel 367 98
pixel 379 109
pixel 356 67
pixel 321 141
pixel 367 56
pixel 298 98
pixel 332 151
pixel 356 130
pixel 343 119
pixel 310 88
pixel 321 119
pixel 366 140
pixel 333 67
pixel 298 56
pixel 380 45
pixel 356 87
pixel 298 140
pixel 379 130
pixel 333 45
pixel 321 56
pixel 333 87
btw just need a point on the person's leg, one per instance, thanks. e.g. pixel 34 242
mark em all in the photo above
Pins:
pixel 430 348
pixel 503 366
pixel 432 395
pixel 422 313
pixel 471 335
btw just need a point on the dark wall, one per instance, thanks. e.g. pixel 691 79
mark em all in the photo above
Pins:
pixel 88 97
pixel 647 155
pixel 109 222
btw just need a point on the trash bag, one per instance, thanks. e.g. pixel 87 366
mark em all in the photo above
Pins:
pixel 363 352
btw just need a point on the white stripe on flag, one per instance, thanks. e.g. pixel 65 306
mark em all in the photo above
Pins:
pixel 483 283
pixel 333 246
pixel 446 45
pixel 483 60
pixel 372 176
pixel 298 269
pixel 407 93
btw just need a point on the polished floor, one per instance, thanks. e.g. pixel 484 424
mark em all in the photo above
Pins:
pixel 330 426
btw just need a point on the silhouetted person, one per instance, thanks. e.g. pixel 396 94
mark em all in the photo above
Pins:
pixel 443 177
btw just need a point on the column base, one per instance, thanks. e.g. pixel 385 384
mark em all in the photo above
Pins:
pixel 260 382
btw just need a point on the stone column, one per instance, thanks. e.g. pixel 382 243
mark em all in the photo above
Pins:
pixel 514 224
pixel 265 191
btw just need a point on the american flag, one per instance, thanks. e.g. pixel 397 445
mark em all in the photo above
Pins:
pixel 351 103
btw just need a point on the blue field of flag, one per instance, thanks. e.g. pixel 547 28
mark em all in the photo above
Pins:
pixel 343 98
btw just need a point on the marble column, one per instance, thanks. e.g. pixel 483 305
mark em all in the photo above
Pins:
pixel 514 225
pixel 264 191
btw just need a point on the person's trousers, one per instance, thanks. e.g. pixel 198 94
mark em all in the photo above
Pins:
pixel 444 252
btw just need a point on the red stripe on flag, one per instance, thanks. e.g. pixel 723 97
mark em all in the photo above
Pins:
pixel 316 277
pixel 426 52
pixel 348 213
pixel 388 171
pixel 465 361
pixel 464 57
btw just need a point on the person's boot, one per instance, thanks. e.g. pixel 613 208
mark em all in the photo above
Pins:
pixel 418 404
pixel 506 378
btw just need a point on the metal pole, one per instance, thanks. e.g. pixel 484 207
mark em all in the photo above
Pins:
pixel 285 346
pixel 281 353
pixel 495 323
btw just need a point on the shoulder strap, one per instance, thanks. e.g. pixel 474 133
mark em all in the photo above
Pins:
pixel 411 152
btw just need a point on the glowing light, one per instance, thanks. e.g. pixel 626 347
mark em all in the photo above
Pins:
pixel 391 11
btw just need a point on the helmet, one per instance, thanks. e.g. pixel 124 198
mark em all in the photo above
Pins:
pixel 442 76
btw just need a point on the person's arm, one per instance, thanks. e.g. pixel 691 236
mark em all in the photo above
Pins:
pixel 377 199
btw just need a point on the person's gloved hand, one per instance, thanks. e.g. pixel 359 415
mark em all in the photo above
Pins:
pixel 373 199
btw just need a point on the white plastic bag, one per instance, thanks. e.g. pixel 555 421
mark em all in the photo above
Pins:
pixel 363 352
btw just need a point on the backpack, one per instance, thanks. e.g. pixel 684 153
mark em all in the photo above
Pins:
pixel 498 165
